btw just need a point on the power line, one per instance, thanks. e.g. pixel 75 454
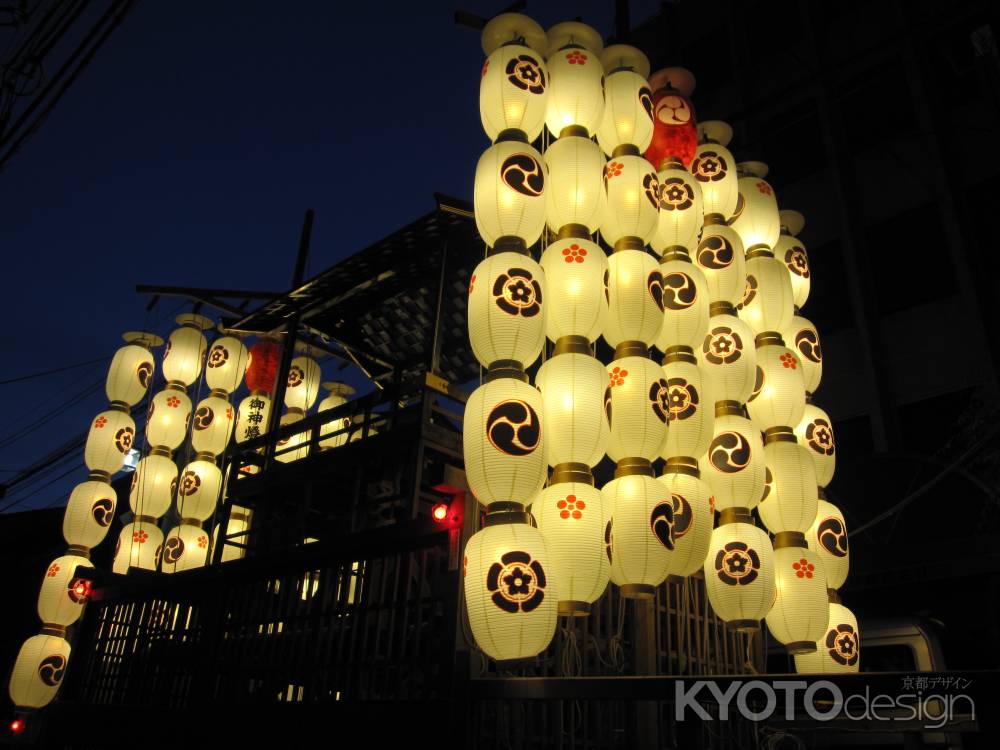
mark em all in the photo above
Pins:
pixel 53 372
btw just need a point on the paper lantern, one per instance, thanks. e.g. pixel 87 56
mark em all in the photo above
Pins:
pixel 503 442
pixel 767 296
pixel 675 133
pixel 198 489
pixel 506 320
pixel 509 194
pixel 694 516
pixel 185 351
pixel 304 377
pixel 226 364
pixel 140 544
pixel 720 256
pixel 89 513
pixel 642 533
pixel 239 522
pixel 715 168
pixel 575 192
pixel 628 104
pixel 839 650
pixel 791 503
pixel 632 209
pixel 214 420
pixel 575 274
pixel 576 77
pixel 685 303
pixel 572 518
pixel 167 421
pixel 734 464
pixel 756 217
pixel 682 211
pixel 514 82
pixel 815 432
pixel 38 671
pixel 65 590
pixel 739 574
pixel 294 447
pixel 802 338
pixel 827 537
pixel 185 548
pixel 262 366
pixel 635 298
pixel 153 485
pixel 334 434
pixel 729 358
pixel 132 368
pixel 637 405
pixel 691 402
pixel 510 596
pixel 790 250
pixel 572 386
pixel 253 416
pixel 799 615
pixel 779 395
pixel 109 440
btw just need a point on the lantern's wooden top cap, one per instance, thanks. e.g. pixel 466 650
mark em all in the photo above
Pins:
pixel 680 79
pixel 792 221
pixel 194 320
pixel 143 338
pixel 625 56
pixel 512 27
pixel 573 32
pixel 716 130
pixel 308 350
pixel 756 169
pixel 340 389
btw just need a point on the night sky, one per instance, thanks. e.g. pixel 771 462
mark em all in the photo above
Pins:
pixel 187 153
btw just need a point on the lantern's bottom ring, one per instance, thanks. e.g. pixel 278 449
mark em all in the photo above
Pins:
pixel 801 647
pixel 744 626
pixel 675 579
pixel 571 608
pixel 638 591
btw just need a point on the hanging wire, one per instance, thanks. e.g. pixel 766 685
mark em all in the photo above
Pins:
pixel 47 417
pixel 42 374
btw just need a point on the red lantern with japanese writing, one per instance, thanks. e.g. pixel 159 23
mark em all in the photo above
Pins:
pixel 263 367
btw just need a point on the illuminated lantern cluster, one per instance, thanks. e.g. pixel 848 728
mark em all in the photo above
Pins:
pixel 66 583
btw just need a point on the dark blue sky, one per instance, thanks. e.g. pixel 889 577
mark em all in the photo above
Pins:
pixel 186 154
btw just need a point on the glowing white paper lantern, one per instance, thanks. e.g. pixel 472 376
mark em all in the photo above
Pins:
pixel 253 416
pixel 635 298
pixel 729 358
pixel 739 574
pixel 503 442
pixel 720 257
pixel 167 421
pixel 139 546
pixel 294 447
pixel 239 523
pixel 756 215
pixel 628 104
pixel 506 292
pixel 214 420
pixel 799 615
pixel 633 201
pixel 509 193
pixel 514 83
pixel 185 351
pixel 637 406
pixel 510 595
pixel 792 252
pixel 827 537
pixel 642 533
pixel 682 211
pixel 694 516
pixel 685 303
pixel 226 364
pixel 334 434
pixel 576 77
pixel 734 464
pixel 153 485
pixel 132 368
pixel 839 650
pixel 802 338
pixel 304 377
pixel 575 274
pixel 575 192
pixel 89 513
pixel 65 590
pixel 572 517
pixel 691 402
pixel 572 386
pixel 767 297
pixel 715 168
pixel 815 432
pixel 198 488
pixel 38 671
pixel 109 440
pixel 791 503
pixel 185 548
pixel 779 395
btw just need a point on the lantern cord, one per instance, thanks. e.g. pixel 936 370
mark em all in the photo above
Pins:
pixel 570 658
pixel 748 661
pixel 616 648
pixel 53 372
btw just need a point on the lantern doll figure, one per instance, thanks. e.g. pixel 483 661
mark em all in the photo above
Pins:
pixel 675 132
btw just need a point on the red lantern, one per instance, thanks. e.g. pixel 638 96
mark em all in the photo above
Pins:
pixel 675 130
pixel 263 367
